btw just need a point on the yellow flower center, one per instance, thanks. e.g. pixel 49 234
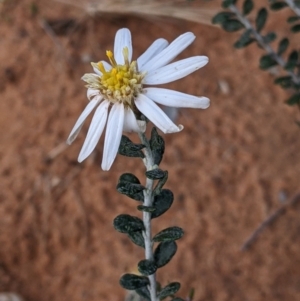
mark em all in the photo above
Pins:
pixel 122 83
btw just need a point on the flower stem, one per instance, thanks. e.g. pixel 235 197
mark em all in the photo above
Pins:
pixel 293 7
pixel 148 200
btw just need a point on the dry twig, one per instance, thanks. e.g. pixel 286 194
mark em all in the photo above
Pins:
pixel 268 221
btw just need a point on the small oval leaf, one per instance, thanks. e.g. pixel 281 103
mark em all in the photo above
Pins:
pixel 164 253
pixel 227 3
pixel 222 17
pixel 146 208
pixel 266 62
pixel 278 5
pixel 168 234
pixel 129 177
pixel 261 19
pixel 245 39
pixel 144 293
pixel 155 174
pixel 295 28
pixel 129 149
pixel 126 223
pixel 162 202
pixel 232 25
pixel 133 282
pixel 157 145
pixel 292 60
pixel 134 191
pixel 137 238
pixel 294 100
pixel 283 45
pixel 147 267
pixel 247 7
pixel 170 289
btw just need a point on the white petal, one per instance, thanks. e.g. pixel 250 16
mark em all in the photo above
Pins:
pixel 175 70
pixel 156 47
pixel 88 109
pixel 169 53
pixel 106 65
pixel 95 131
pixel 131 124
pixel 113 135
pixel 156 115
pixel 92 93
pixel 176 99
pixel 122 40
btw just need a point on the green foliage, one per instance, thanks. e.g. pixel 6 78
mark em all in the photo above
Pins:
pixel 270 37
pixel 168 234
pixel 157 145
pixel 284 81
pixel 261 19
pixel 283 45
pixel 155 174
pixel 278 5
pixel 227 3
pixel 145 208
pixel 126 223
pixel 295 28
pixel 137 238
pixel 144 293
pixel 133 282
pixel 162 202
pixel 129 149
pixel 292 60
pixel 170 289
pixel 128 184
pixel 222 17
pixel 293 19
pixel 267 61
pixel 160 184
pixel 164 253
pixel 247 7
pixel 294 100
pixel 147 267
pixel 245 39
pixel 232 25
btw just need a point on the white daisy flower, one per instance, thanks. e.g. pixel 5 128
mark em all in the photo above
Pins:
pixel 117 89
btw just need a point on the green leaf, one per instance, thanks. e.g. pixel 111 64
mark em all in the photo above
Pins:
pixel 170 289
pixel 295 28
pixel 164 253
pixel 284 81
pixel 137 238
pixel 292 60
pixel 147 267
pixel 294 100
pixel 129 149
pixel 126 223
pixel 129 177
pixel 247 7
pixel 221 17
pixel 129 185
pixel 227 3
pixel 244 40
pixel 270 37
pixel 283 45
pixel 145 208
pixel 134 191
pixel 162 202
pixel 157 145
pixel 278 5
pixel 293 19
pixel 168 234
pixel 266 62
pixel 144 293
pixel 261 19
pixel 133 282
pixel 160 184
pixel 232 25
pixel 155 174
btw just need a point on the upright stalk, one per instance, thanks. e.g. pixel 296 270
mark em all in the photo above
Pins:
pixel 148 200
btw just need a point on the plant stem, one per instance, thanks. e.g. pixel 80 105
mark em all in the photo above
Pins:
pixel 148 200
pixel 293 7
pixel 262 43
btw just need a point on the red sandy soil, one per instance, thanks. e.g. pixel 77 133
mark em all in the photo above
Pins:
pixel 230 168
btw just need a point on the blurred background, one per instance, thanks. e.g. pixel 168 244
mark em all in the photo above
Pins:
pixel 232 166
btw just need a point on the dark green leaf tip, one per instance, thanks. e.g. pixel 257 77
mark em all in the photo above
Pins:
pixel 129 149
pixel 261 19
pixel 162 202
pixel 155 174
pixel 169 234
pixel 146 208
pixel 247 7
pixel 133 282
pixel 125 223
pixel 170 289
pixel 147 267
pixel 164 253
